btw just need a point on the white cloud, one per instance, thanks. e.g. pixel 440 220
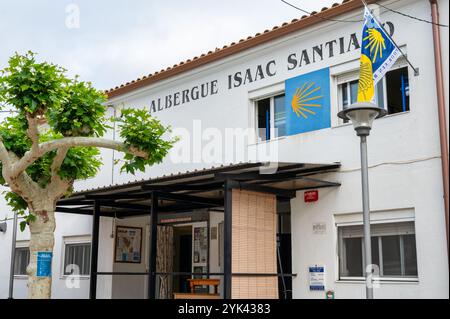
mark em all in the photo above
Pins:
pixel 121 40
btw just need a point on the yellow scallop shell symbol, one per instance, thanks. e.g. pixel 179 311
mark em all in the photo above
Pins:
pixel 304 99
pixel 366 89
pixel 376 44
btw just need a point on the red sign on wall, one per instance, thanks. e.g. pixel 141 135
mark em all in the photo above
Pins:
pixel 311 196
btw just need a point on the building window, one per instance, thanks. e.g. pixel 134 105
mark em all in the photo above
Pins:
pixel 393 250
pixel 77 258
pixel 391 93
pixel 21 261
pixel 270 118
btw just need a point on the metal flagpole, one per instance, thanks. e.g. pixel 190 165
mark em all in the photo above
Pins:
pixel 416 70
pixel 13 255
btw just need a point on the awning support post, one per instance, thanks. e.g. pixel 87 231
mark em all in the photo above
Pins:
pixel 152 247
pixel 94 251
pixel 227 239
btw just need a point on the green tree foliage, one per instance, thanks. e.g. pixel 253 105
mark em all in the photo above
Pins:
pixel 82 112
pixel 33 87
pixel 139 129
pixel 68 108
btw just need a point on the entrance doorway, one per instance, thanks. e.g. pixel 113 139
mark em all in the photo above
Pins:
pixel 182 259
pixel 190 255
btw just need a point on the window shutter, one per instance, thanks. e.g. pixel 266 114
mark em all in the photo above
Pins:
pixel 347 77
pixel 391 229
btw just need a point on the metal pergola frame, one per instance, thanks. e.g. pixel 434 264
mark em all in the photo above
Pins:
pixel 208 188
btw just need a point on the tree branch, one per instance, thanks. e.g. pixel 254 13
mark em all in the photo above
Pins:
pixel 4 155
pixel 22 184
pixel 26 187
pixel 68 142
pixel 10 160
pixel 58 187
pixel 33 133
pixel 58 160
pixel 7 159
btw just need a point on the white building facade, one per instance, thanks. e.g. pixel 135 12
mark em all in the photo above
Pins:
pixel 245 91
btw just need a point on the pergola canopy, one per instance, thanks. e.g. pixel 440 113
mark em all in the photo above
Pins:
pixel 198 189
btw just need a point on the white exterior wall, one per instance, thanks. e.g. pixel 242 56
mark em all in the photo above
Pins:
pixel 407 137
pixel 134 287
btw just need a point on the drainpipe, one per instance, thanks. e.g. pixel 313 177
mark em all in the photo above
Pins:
pixel 441 109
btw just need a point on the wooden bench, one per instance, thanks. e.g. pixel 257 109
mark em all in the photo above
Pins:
pixel 200 282
pixel 204 282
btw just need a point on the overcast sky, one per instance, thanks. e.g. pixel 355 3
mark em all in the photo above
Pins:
pixel 115 41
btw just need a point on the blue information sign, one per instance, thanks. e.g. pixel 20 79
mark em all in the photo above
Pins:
pixel 317 278
pixel 44 264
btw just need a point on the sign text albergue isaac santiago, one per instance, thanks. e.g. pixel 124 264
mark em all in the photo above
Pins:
pixel 293 61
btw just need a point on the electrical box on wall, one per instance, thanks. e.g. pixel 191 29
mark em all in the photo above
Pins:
pixel 3 227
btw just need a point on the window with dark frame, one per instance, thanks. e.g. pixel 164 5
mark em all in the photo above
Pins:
pixel 263 116
pixel 392 90
pixel 21 261
pixel 77 254
pixel 393 250
pixel 270 117
pixel 397 90
pixel 279 110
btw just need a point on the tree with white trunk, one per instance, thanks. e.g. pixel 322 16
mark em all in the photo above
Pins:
pixel 52 138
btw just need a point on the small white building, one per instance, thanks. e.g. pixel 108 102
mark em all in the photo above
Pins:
pixel 233 107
